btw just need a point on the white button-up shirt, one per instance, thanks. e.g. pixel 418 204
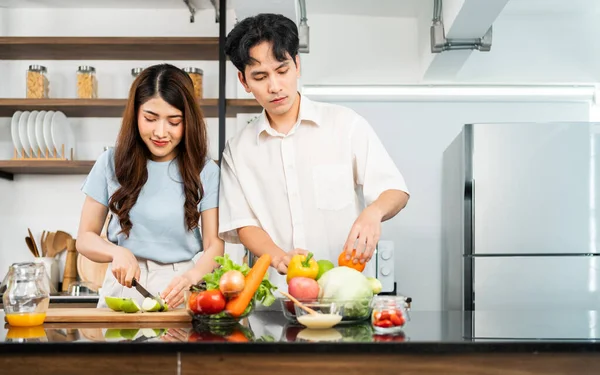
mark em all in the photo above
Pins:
pixel 305 188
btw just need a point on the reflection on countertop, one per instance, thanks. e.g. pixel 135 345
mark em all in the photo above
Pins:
pixel 424 327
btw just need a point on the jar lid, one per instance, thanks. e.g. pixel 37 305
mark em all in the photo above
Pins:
pixel 136 71
pixel 37 68
pixel 86 69
pixel 193 70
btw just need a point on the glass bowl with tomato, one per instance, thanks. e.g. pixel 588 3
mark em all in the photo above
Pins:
pixel 389 314
pixel 208 307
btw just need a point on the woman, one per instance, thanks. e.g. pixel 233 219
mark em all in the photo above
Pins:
pixel 161 189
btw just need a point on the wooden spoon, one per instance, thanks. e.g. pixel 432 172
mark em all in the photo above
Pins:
pixel 43 243
pixel 50 252
pixel 61 239
pixel 30 246
pixel 34 244
pixel 300 305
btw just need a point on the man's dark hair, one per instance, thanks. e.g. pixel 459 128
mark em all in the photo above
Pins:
pixel 264 27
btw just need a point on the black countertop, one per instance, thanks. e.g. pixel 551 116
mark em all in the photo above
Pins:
pixel 425 332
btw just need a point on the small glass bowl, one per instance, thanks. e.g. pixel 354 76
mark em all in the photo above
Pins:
pixel 220 319
pixel 352 311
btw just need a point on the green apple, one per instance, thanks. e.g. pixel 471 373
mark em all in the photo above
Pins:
pixel 324 266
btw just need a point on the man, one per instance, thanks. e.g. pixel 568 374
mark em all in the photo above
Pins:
pixel 292 180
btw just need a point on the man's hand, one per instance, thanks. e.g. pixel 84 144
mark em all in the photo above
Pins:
pixel 366 229
pixel 280 263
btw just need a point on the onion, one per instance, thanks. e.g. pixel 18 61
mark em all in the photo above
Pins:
pixel 232 283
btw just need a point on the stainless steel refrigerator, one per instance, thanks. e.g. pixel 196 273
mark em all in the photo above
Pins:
pixel 519 217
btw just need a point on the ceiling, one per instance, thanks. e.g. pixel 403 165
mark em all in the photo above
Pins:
pixel 554 7
pixel 120 4
pixel 374 8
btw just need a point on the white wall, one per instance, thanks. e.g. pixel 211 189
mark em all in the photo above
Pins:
pixel 416 135
pixel 361 50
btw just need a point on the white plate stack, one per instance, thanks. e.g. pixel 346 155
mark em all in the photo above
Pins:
pixel 42 135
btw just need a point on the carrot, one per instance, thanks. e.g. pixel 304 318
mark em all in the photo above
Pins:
pixel 237 336
pixel 236 306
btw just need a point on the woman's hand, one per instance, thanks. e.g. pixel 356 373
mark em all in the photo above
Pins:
pixel 125 266
pixel 174 292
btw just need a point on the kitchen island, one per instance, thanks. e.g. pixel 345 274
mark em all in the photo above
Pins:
pixel 448 342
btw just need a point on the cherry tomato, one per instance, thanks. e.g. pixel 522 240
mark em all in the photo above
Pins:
pixel 192 303
pixel 383 323
pixel 397 320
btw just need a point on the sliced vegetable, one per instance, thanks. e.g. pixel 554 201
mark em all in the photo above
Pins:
pixel 150 305
pixel 302 266
pixel 237 305
pixel 343 262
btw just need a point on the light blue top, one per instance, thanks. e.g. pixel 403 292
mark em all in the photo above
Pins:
pixel 159 232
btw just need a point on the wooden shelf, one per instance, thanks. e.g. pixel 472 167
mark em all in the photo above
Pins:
pixel 8 168
pixel 113 107
pixel 109 48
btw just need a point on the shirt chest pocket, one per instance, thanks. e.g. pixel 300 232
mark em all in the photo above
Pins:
pixel 333 185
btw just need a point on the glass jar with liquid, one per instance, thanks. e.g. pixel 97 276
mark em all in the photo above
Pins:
pixel 27 294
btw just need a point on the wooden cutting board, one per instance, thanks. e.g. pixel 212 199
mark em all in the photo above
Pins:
pixel 85 315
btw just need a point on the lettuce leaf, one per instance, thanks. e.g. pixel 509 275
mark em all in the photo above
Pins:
pixel 264 294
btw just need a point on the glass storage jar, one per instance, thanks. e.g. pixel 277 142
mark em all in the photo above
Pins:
pixel 87 85
pixel 38 86
pixel 389 314
pixel 27 294
pixel 196 75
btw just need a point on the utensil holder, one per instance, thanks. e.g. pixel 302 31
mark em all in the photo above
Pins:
pixel 51 266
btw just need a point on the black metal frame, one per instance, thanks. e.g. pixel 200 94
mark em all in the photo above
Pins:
pixel 222 76
pixel 469 224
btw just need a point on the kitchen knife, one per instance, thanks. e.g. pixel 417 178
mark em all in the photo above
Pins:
pixel 146 293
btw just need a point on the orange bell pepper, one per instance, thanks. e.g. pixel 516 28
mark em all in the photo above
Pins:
pixel 342 261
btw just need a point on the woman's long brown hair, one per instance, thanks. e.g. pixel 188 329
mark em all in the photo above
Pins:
pixel 175 87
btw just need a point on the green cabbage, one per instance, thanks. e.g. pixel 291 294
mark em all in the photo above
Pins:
pixel 348 287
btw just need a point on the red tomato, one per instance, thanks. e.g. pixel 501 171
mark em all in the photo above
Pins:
pixel 397 320
pixel 389 338
pixel 210 302
pixel 383 323
pixel 192 303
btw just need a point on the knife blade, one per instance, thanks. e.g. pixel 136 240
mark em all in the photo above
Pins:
pixel 146 293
